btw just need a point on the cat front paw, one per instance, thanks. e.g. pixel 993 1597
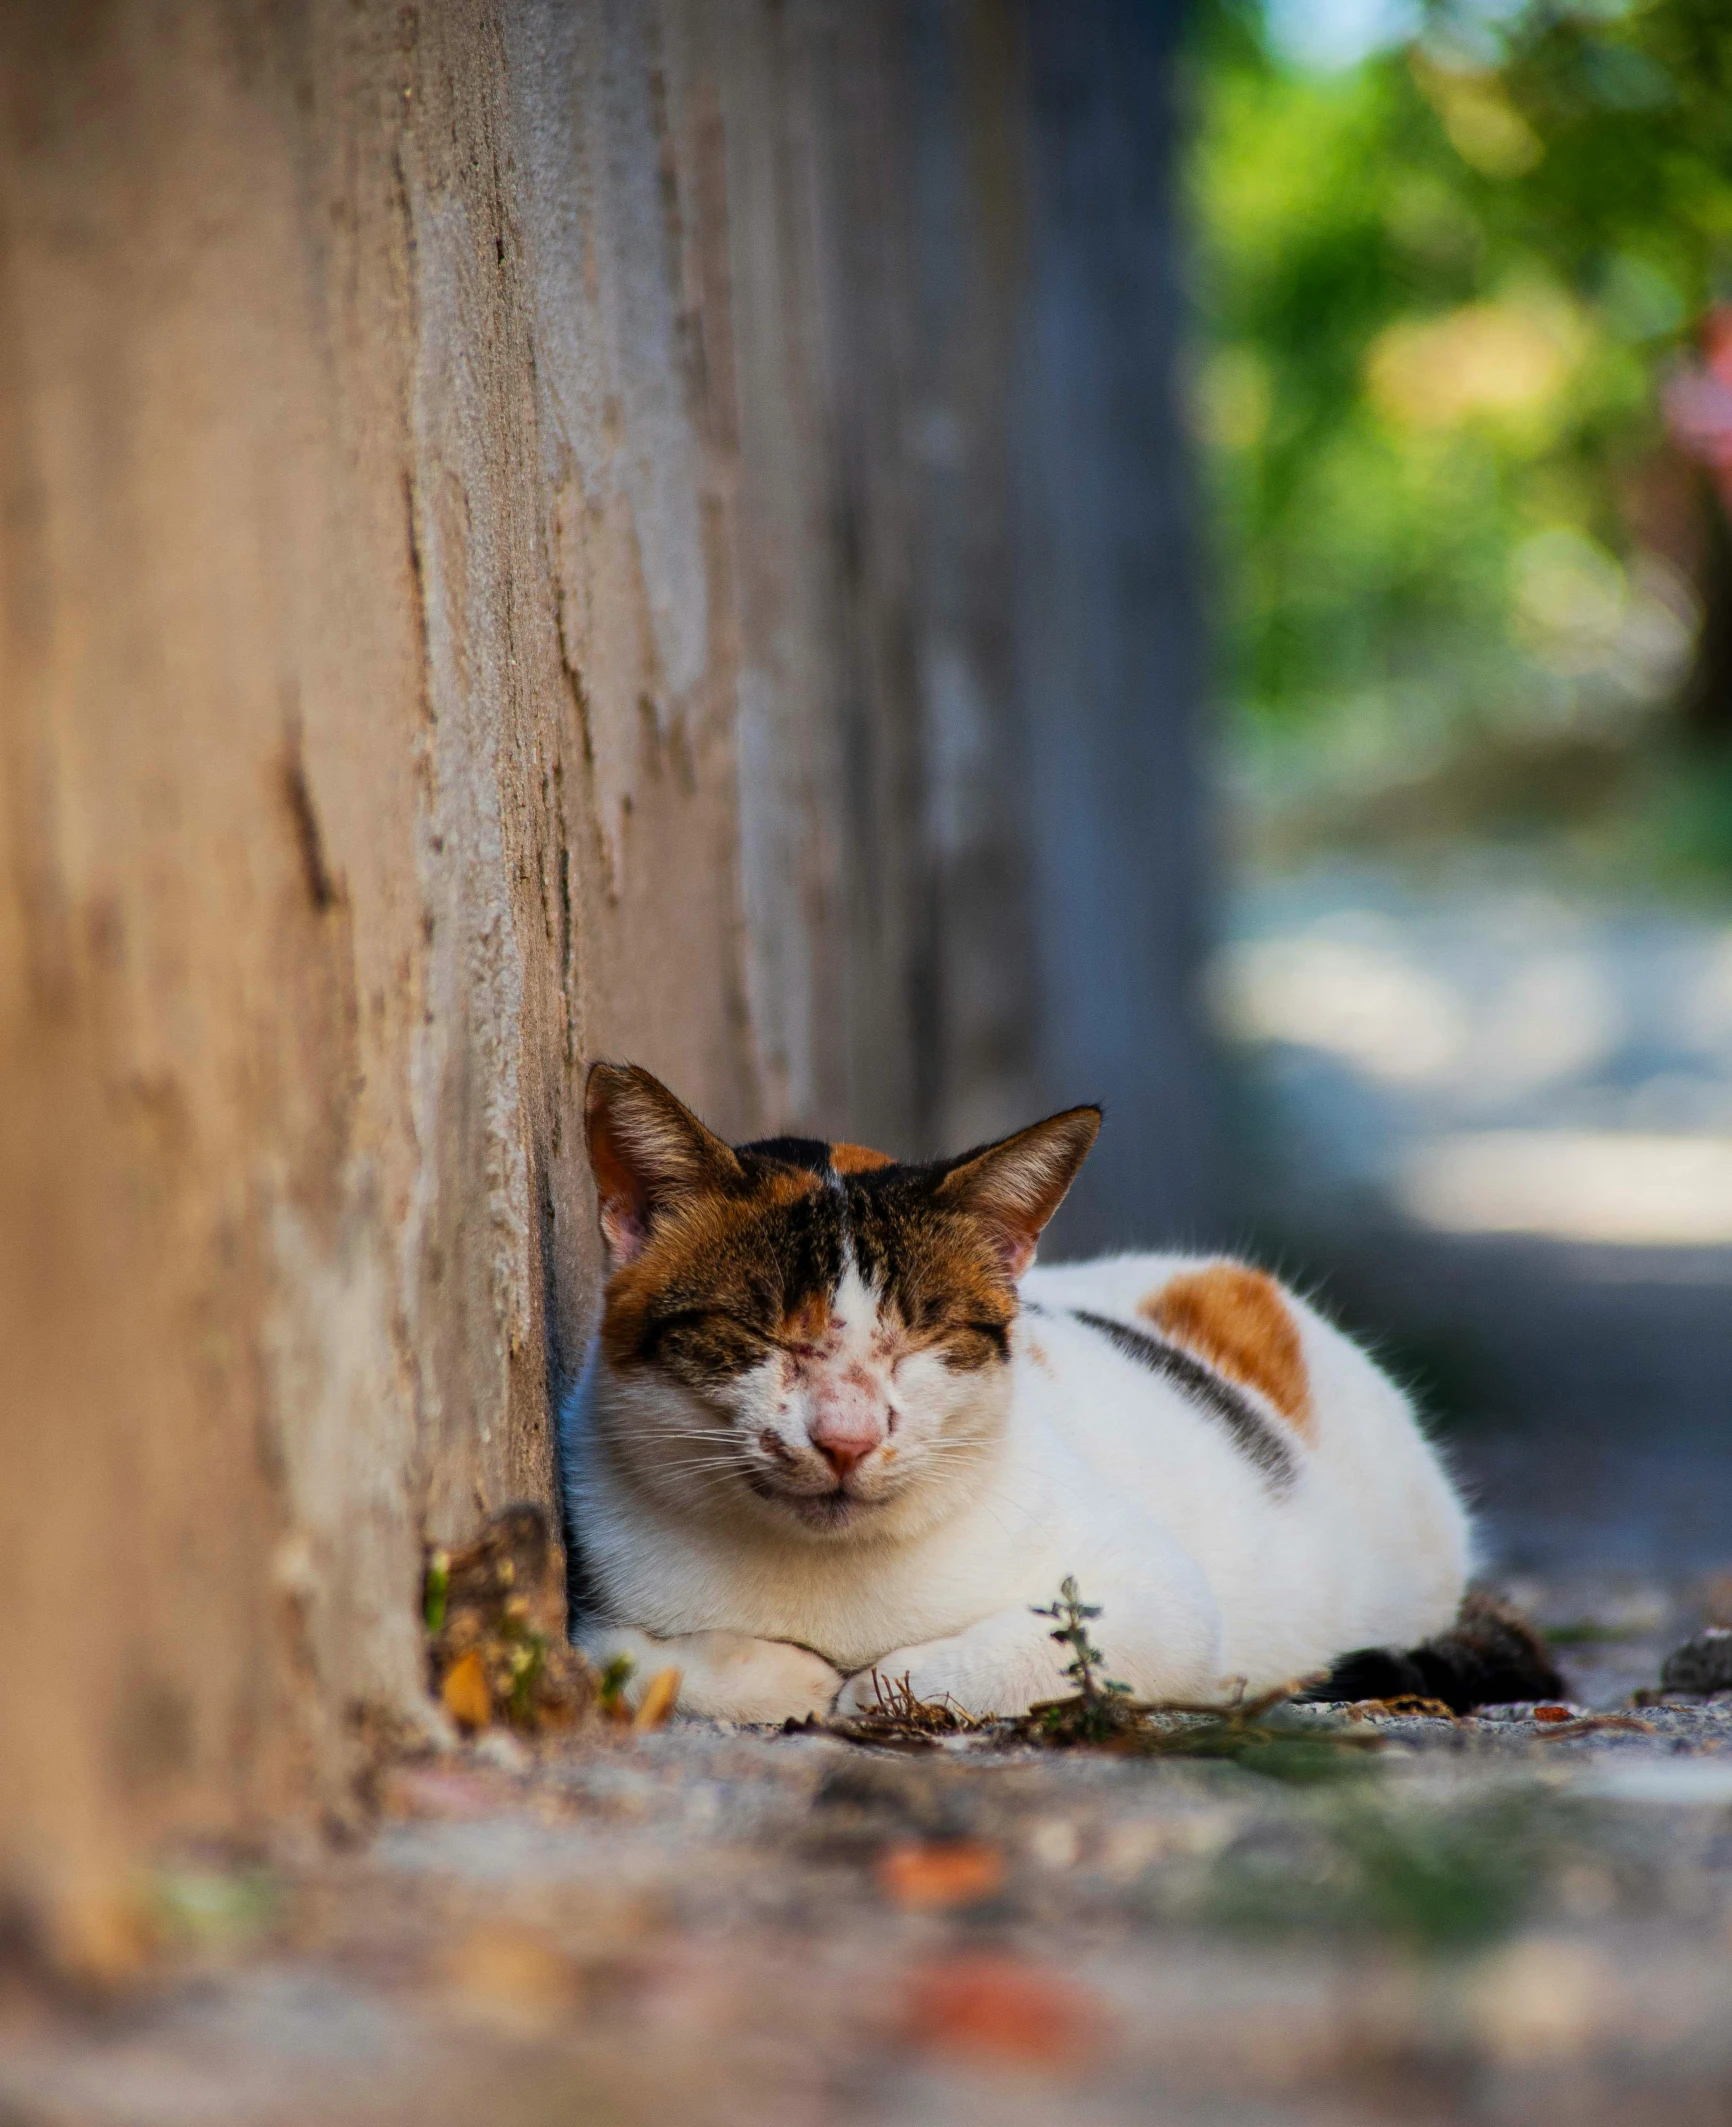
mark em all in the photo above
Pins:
pixel 731 1677
pixel 726 1676
pixel 1002 1665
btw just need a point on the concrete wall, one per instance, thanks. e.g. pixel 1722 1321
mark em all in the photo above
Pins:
pixel 527 531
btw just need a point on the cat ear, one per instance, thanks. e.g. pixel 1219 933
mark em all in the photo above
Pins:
pixel 648 1154
pixel 1017 1184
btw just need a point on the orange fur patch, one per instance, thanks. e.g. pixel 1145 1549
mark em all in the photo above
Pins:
pixel 858 1159
pixel 1236 1321
pixel 710 1230
pixel 806 1323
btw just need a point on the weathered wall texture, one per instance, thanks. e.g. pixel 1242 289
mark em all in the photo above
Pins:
pixel 527 531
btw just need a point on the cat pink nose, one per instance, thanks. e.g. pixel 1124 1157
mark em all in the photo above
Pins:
pixel 844 1439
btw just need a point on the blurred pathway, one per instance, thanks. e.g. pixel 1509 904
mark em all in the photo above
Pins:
pixel 1486 1058
pixel 1499 1126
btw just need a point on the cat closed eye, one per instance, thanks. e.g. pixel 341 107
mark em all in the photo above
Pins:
pixel 722 1318
pixel 714 1324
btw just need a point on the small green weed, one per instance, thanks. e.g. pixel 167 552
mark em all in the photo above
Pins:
pixel 1102 1714
pixel 437 1592
pixel 614 1678
pixel 1097 1713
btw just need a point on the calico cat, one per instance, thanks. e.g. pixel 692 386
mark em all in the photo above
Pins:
pixel 834 1424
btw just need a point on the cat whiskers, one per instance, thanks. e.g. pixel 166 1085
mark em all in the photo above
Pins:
pixel 716 1464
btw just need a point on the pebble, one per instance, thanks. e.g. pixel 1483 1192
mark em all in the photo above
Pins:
pixel 1701 1664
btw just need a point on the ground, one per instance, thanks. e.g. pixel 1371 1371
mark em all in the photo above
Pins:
pixel 1488 1920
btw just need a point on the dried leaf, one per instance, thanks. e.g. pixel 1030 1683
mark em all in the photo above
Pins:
pixel 1407 1705
pixel 660 1695
pixel 464 1693
pixel 1590 1724
pixel 998 2009
pixel 924 1877
pixel 501 1600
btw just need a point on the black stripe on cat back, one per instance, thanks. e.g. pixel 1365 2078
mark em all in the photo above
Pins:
pixel 1253 1435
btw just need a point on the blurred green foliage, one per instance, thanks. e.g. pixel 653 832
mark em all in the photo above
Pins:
pixel 1441 291
pixel 1439 1877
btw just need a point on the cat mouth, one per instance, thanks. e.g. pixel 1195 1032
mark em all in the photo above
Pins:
pixel 828 1510
pixel 833 1509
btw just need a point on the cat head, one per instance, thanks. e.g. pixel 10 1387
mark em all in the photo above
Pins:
pixel 808 1336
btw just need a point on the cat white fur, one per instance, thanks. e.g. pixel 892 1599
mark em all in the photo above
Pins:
pixel 1073 1459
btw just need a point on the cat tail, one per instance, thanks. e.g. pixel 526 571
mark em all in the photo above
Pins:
pixel 1490 1656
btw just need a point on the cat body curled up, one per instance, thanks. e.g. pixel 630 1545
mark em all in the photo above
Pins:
pixel 835 1427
